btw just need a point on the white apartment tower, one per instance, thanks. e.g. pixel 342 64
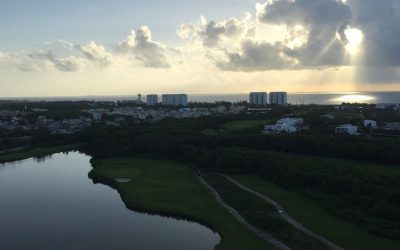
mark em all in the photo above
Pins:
pixel 258 98
pixel 278 98
pixel 152 100
pixel 175 99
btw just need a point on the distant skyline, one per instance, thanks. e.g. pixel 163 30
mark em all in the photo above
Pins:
pixel 75 48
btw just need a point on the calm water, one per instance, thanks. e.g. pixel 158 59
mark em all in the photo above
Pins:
pixel 52 204
pixel 312 98
pixel 293 98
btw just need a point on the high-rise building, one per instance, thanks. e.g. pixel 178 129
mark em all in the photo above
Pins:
pixel 139 99
pixel 258 98
pixel 278 98
pixel 175 99
pixel 152 100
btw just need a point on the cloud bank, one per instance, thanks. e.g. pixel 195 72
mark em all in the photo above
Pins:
pixel 137 50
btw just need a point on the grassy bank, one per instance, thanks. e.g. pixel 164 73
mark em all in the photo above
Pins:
pixel 169 188
pixel 245 124
pixel 262 215
pixel 318 219
pixel 36 152
pixel 240 126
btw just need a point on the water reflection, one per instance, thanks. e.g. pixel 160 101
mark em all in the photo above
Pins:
pixel 53 205
pixel 355 99
pixel 43 158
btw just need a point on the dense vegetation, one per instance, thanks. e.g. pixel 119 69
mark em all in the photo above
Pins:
pixel 347 147
pixel 170 135
pixel 365 194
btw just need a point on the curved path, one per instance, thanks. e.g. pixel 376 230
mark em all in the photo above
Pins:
pixel 279 245
pixel 285 215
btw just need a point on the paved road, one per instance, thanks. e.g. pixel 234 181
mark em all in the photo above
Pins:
pixel 279 245
pixel 286 216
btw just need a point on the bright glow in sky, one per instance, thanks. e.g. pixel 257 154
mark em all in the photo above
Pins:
pixel 355 38
pixel 98 47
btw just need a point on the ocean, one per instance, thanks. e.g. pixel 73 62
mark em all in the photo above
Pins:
pixel 330 98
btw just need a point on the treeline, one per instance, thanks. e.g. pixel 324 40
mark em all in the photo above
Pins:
pixel 346 147
pixel 170 134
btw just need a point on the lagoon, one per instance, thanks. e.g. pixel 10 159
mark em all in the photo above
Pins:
pixel 50 203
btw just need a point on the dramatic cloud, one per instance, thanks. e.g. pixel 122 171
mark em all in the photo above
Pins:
pixel 305 34
pixel 308 34
pixel 314 37
pixel 279 35
pixel 214 34
pixel 140 44
pixel 256 56
pixel 379 21
pixel 325 21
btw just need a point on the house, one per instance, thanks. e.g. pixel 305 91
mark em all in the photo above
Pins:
pixel 284 125
pixel 347 129
pixel 370 123
pixel 291 121
pixel 279 128
pixel 388 129
pixel 39 110
pixel 219 110
pixel 393 106
pixel 328 117
pixel 97 116
pixel 237 109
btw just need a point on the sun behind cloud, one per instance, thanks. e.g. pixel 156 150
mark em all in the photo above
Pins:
pixel 354 38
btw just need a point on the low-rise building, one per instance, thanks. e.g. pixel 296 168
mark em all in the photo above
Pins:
pixel 347 129
pixel 284 125
pixel 370 123
pixel 328 117
pixel 97 116
pixel 237 109
pixel 219 110
pixel 291 121
pixel 279 128
pixel 393 106
pixel 39 110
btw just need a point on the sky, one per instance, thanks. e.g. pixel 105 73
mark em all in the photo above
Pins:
pixel 102 47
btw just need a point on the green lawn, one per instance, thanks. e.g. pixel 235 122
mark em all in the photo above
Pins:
pixel 37 152
pixel 262 215
pixel 319 219
pixel 245 124
pixel 168 187
pixel 211 131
